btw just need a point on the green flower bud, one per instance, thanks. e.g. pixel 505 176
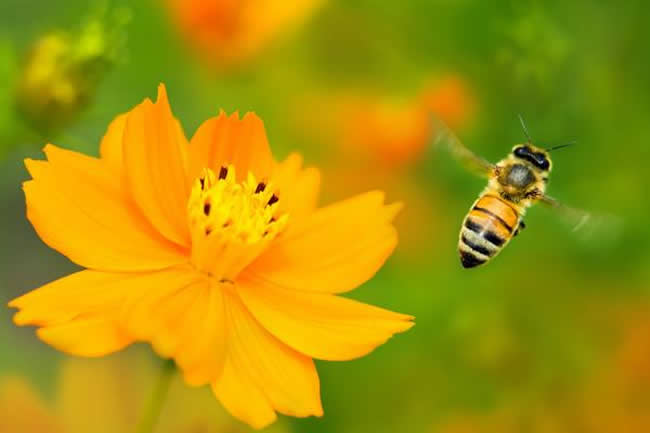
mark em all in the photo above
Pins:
pixel 64 69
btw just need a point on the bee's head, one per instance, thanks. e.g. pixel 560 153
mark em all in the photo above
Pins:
pixel 536 156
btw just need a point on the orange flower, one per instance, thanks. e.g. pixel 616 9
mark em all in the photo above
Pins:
pixel 391 132
pixel 618 399
pixel 380 138
pixel 229 31
pixel 451 99
pixel 21 410
pixel 211 251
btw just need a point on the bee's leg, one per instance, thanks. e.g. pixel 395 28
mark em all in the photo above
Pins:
pixel 520 227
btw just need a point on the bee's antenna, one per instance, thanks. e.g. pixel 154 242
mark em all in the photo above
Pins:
pixel 523 126
pixel 570 143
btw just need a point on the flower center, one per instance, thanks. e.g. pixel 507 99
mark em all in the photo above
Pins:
pixel 231 223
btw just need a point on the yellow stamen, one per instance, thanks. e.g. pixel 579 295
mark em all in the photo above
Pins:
pixel 231 223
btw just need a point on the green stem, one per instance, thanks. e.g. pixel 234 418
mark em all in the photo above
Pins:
pixel 150 418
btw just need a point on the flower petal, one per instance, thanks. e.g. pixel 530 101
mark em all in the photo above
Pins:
pixel 286 378
pixel 93 336
pixel 242 398
pixel 110 149
pixel 320 325
pixel 155 167
pixel 78 209
pixel 335 250
pixel 77 314
pixel 202 355
pixel 183 319
pixel 298 188
pixel 225 140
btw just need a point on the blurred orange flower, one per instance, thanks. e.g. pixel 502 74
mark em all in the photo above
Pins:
pixel 393 133
pixel 230 31
pixel 381 138
pixel 21 410
pixel 213 252
pixel 450 98
pixel 106 396
pixel 619 398
pixel 396 132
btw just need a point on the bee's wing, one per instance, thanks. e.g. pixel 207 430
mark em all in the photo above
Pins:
pixel 587 225
pixel 444 138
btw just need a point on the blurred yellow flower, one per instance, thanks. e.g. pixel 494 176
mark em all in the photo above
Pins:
pixel 106 396
pixel 64 69
pixel 230 31
pixel 211 251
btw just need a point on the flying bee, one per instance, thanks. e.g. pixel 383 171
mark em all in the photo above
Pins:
pixel 514 184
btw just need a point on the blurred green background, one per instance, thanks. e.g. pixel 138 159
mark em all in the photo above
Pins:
pixel 552 336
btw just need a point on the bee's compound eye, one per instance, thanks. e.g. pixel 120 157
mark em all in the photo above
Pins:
pixel 542 161
pixel 539 160
pixel 521 151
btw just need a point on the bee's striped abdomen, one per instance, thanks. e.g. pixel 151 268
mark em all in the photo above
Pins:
pixel 489 225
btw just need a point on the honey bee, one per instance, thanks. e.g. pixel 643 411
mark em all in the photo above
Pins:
pixel 514 184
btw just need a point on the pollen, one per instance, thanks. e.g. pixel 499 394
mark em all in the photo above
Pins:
pixel 231 222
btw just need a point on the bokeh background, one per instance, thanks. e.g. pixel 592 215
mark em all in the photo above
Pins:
pixel 552 336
